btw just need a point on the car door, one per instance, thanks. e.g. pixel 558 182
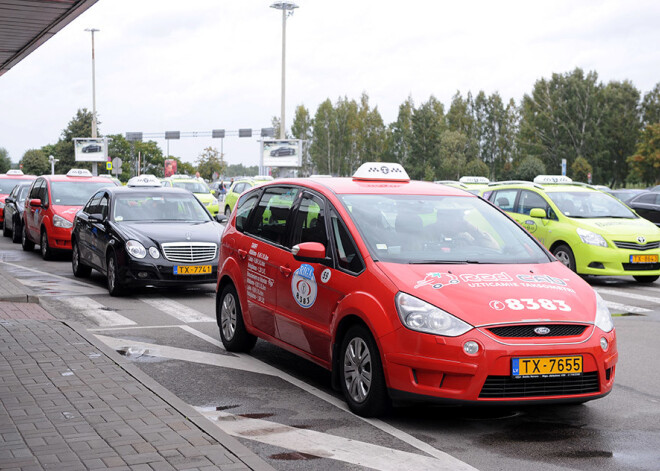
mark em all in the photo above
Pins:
pixel 10 207
pixel 99 232
pixel 541 228
pixel 32 214
pixel 84 228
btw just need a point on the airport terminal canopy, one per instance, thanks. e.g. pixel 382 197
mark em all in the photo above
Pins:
pixel 27 24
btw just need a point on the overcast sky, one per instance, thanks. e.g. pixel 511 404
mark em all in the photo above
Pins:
pixel 199 65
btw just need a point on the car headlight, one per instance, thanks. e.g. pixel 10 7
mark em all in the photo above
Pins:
pixel 424 317
pixel 136 249
pixel 591 238
pixel 214 202
pixel 59 221
pixel 2 205
pixel 153 251
pixel 603 316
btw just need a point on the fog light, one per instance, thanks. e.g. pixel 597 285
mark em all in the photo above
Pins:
pixel 603 343
pixel 471 347
pixel 143 274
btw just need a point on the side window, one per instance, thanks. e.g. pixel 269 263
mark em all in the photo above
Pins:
pixel 270 216
pixel 43 193
pixel 309 225
pixel 646 199
pixel 103 206
pixel 245 206
pixel 505 199
pixel 34 192
pixel 92 204
pixel 530 200
pixel 348 257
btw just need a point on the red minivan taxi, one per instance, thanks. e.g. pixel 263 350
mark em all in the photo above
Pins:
pixel 7 183
pixel 410 291
pixel 51 205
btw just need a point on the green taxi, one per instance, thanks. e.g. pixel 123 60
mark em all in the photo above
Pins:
pixel 474 185
pixel 239 186
pixel 196 186
pixel 589 231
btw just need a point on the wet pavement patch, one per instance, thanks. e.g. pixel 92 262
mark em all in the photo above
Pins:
pixel 584 454
pixel 256 416
pixel 233 406
pixel 294 456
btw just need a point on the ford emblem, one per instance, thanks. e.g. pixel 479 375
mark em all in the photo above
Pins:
pixel 641 239
pixel 542 330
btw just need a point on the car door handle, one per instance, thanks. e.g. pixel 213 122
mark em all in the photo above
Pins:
pixel 242 253
pixel 286 271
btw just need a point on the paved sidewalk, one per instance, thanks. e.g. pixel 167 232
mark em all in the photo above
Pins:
pixel 69 402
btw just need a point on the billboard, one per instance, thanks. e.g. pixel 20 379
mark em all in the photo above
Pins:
pixel 281 153
pixel 170 167
pixel 90 149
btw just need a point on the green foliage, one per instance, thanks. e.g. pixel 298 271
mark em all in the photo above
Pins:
pixel 645 164
pixel 5 162
pixel 210 161
pixel 451 155
pixel 477 168
pixel 580 169
pixel 35 162
pixel 79 126
pixel 428 124
pixel 302 129
pixel 240 170
pixel 529 168
pixel 401 134
pixel 651 106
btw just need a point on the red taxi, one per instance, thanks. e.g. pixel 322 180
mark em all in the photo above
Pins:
pixel 51 205
pixel 7 183
pixel 409 291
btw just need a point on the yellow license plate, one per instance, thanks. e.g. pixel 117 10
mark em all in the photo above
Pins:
pixel 542 366
pixel 644 258
pixel 192 269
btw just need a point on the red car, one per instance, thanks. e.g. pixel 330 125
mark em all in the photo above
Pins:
pixel 51 205
pixel 7 183
pixel 409 291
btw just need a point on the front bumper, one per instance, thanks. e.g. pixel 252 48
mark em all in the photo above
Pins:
pixel 59 238
pixel 436 369
pixel 612 261
pixel 160 272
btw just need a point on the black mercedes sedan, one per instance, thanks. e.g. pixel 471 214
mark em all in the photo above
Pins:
pixel 647 205
pixel 14 205
pixel 145 235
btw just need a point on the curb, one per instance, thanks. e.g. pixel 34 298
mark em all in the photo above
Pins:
pixel 20 298
pixel 244 454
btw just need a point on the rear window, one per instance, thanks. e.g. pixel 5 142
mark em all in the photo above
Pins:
pixel 8 184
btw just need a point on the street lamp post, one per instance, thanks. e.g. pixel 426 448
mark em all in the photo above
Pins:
pixel 287 10
pixel 93 30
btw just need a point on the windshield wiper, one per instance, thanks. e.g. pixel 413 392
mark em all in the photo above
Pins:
pixel 443 262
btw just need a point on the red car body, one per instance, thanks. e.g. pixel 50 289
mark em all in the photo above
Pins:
pixel 503 304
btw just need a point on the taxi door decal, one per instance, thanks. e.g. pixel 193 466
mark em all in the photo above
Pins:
pixel 303 286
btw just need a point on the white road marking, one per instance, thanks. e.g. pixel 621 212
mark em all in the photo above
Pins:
pixel 177 310
pixel 617 308
pixel 328 446
pixel 625 294
pixel 247 363
pixel 68 280
pixel 96 311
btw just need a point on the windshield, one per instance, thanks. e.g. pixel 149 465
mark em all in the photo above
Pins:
pixel 72 193
pixel 8 184
pixel 590 204
pixel 193 187
pixel 150 208
pixel 439 229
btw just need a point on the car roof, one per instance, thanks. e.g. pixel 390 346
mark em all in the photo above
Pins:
pixel 65 178
pixel 17 177
pixel 154 190
pixel 547 187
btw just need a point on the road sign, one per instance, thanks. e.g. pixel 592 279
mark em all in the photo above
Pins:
pixel 116 165
pixel 108 165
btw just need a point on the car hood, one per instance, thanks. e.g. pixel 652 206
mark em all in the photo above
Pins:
pixel 621 229
pixel 204 197
pixel 67 212
pixel 488 294
pixel 163 232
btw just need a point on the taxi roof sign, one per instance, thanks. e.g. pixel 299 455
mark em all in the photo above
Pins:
pixel 144 181
pixel 470 179
pixel 546 179
pixel 381 171
pixel 79 172
pixel 15 172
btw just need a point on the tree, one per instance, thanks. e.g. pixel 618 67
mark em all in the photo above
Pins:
pixel 302 129
pixel 79 126
pixel 428 124
pixel 645 164
pixel 210 161
pixel 147 154
pixel 5 161
pixel 529 168
pixel 451 157
pixel 651 106
pixel 401 134
pixel 35 162
pixel 477 168
pixel 322 150
pixel 581 169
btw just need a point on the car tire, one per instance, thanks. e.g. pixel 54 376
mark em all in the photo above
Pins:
pixel 233 333
pixel 16 232
pixel 46 251
pixel 227 211
pixel 5 229
pixel 80 270
pixel 645 278
pixel 361 374
pixel 564 254
pixel 26 243
pixel 115 287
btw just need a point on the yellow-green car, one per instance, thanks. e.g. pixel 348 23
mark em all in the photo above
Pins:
pixel 198 187
pixel 474 185
pixel 234 191
pixel 589 231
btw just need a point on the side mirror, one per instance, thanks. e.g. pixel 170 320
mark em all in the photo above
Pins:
pixel 538 213
pixel 95 217
pixel 221 218
pixel 9 200
pixel 213 192
pixel 35 203
pixel 313 252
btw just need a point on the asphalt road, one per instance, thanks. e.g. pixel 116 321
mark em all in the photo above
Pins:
pixel 284 409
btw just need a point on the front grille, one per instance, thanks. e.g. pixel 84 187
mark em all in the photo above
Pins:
pixel 497 387
pixel 189 252
pixel 635 246
pixel 556 330
pixel 641 266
